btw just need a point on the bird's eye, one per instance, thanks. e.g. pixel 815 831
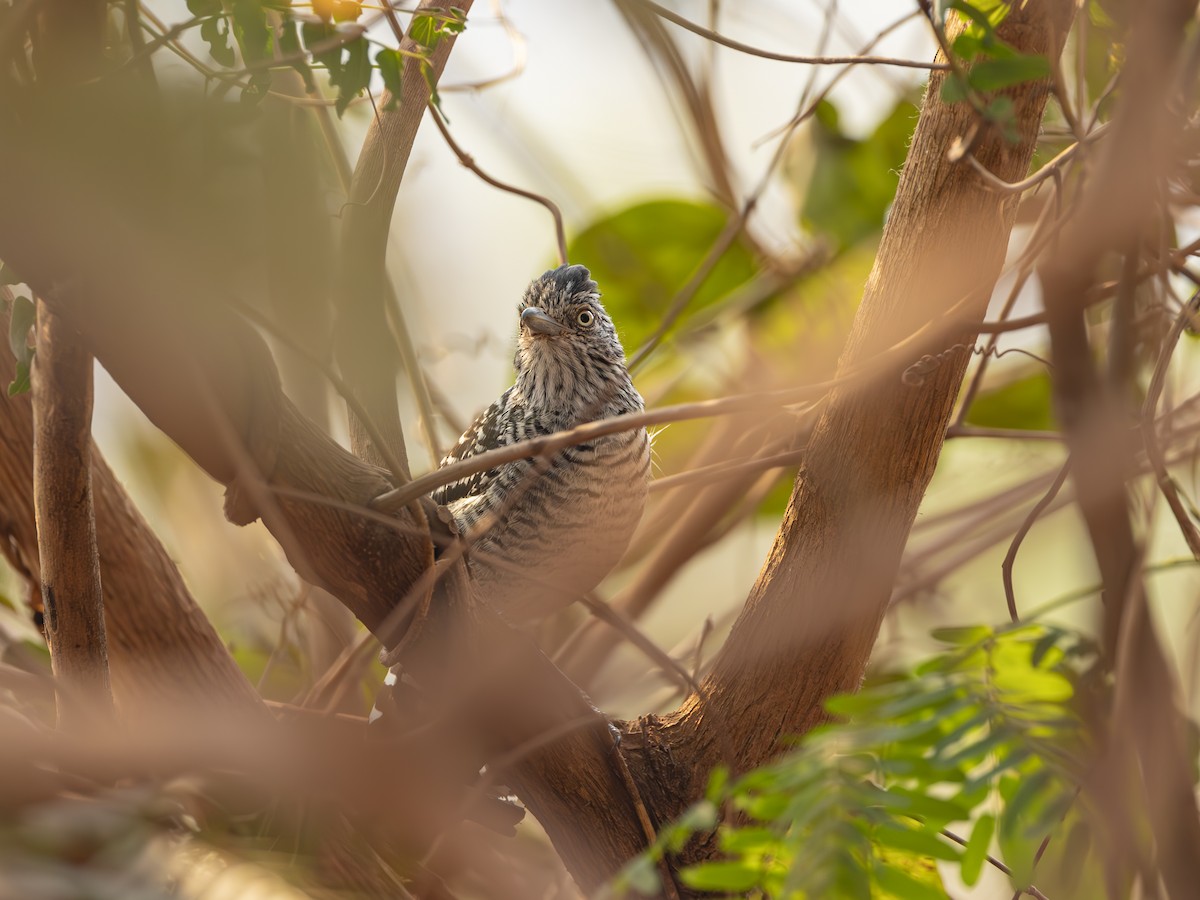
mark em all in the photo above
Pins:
pixel 586 318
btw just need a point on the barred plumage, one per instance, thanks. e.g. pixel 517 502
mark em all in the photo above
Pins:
pixel 545 534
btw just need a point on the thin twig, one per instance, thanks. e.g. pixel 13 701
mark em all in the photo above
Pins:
pixel 469 161
pixel 668 878
pixel 733 227
pixel 638 638
pixel 264 322
pixel 547 445
pixel 718 38
pixel 1166 484
pixel 1030 889
pixel 1050 169
pixel 1011 556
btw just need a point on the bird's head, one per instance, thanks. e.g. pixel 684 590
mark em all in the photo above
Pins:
pixel 562 319
pixel 566 339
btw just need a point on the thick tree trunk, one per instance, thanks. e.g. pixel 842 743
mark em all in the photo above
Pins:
pixel 811 619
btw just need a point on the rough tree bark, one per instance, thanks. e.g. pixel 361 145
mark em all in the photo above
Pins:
pixel 807 630
pixel 66 524
pixel 811 619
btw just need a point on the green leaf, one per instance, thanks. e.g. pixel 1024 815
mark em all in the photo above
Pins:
pixel 854 182
pixel 355 75
pixel 390 66
pixel 748 841
pixel 215 32
pixel 914 840
pixel 718 781
pixel 765 808
pixel 9 276
pixel 725 876
pixel 642 876
pixel 1025 404
pixel 913 803
pixel 700 816
pixel 962 637
pixel 954 89
pixel 250 29
pixel 995 74
pixel 643 254
pixel 289 45
pixel 976 16
pixel 425 31
pixel 431 82
pixel 1044 645
pixel 22 318
pixel 975 853
pixel 893 705
pixel 318 34
pixel 984 15
pixel 20 383
pixel 967 46
pixel 1027 685
pixel 204 7
pixel 902 885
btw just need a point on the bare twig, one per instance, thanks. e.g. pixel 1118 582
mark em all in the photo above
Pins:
pixel 1051 169
pixel 717 38
pixel 733 227
pixel 394 464
pixel 992 861
pixel 469 161
pixel 1006 568
pixel 1166 483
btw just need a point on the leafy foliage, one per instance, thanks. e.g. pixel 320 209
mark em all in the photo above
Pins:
pixel 985 735
pixel 334 38
pixel 644 254
pixel 1025 403
pixel 986 63
pixel 854 182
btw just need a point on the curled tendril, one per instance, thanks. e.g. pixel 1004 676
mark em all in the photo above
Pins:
pixel 915 375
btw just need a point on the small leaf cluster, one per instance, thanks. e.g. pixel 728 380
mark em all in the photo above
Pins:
pixel 333 38
pixel 987 63
pixel 984 735
pixel 246 22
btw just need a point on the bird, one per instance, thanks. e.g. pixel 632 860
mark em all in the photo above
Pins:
pixel 541 533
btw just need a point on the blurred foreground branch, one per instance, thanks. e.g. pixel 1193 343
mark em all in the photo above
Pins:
pixel 1148 733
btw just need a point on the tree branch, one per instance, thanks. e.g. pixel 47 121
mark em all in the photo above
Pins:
pixel 365 352
pixel 810 622
pixel 66 524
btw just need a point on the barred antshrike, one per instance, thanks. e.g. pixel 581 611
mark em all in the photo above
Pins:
pixel 544 532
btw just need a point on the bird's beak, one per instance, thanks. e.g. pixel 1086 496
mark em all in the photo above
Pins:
pixel 538 322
